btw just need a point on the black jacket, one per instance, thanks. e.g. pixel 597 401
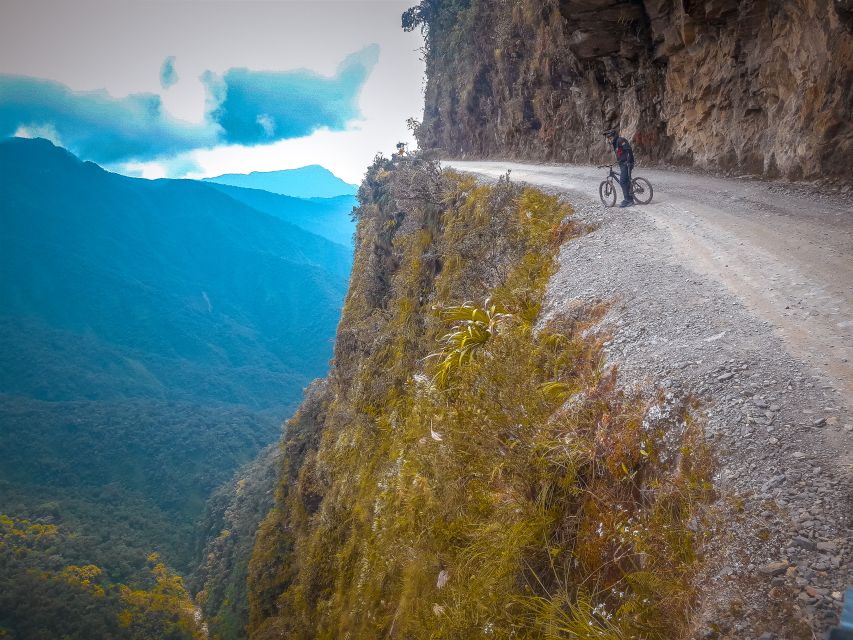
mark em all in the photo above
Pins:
pixel 624 153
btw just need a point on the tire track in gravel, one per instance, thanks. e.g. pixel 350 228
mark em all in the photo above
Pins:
pixel 740 292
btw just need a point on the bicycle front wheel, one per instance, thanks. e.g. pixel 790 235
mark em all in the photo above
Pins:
pixel 607 193
pixel 643 191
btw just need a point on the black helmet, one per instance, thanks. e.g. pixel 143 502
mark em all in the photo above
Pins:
pixel 611 133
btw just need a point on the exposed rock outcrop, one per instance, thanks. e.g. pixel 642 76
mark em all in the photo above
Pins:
pixel 756 86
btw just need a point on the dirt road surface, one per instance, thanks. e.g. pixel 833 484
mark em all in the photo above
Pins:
pixel 740 292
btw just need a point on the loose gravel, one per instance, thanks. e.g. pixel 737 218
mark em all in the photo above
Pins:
pixel 778 558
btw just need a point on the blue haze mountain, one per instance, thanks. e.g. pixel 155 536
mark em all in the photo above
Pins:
pixel 312 181
pixel 153 335
pixel 327 217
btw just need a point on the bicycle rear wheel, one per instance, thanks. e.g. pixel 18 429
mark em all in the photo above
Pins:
pixel 642 190
pixel 607 193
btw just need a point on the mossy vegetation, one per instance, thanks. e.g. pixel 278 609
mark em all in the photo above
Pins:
pixel 469 470
pixel 233 516
pixel 42 596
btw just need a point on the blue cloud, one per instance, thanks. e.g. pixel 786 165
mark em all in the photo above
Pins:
pixel 246 107
pixel 168 75
pixel 260 106
pixel 96 125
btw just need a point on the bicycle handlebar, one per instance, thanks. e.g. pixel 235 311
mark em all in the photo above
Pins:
pixel 605 166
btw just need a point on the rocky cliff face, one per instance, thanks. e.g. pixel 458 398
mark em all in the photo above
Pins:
pixel 467 467
pixel 756 86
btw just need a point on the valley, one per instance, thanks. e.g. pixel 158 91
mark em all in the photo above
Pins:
pixel 153 337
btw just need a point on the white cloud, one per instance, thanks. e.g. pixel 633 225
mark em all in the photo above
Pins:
pixel 46 131
pixel 217 36
pixel 267 124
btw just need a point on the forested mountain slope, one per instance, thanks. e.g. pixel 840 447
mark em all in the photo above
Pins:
pixel 153 334
pixel 160 281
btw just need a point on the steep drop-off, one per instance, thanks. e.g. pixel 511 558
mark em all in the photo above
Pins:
pixel 467 470
pixel 152 336
pixel 757 86
pixel 227 534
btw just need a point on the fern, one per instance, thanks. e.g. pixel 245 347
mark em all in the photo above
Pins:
pixel 472 328
pixel 556 392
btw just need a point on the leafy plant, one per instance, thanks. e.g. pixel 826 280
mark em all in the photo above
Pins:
pixel 471 329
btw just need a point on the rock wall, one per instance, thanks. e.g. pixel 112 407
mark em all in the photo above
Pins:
pixel 756 86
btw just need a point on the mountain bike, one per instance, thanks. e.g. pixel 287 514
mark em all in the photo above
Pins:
pixel 641 189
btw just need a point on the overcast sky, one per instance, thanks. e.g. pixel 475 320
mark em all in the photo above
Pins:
pixel 189 88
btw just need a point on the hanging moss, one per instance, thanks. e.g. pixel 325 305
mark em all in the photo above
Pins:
pixel 515 492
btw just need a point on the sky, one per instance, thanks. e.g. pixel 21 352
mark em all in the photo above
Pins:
pixel 197 88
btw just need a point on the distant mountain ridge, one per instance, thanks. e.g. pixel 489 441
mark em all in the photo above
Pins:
pixel 169 252
pixel 153 335
pixel 330 218
pixel 312 181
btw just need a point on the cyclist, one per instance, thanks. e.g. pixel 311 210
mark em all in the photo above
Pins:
pixel 625 158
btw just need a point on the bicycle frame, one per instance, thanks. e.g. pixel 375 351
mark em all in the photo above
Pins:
pixel 614 175
pixel 639 188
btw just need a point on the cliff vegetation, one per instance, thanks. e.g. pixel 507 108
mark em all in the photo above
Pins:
pixel 43 596
pixel 466 470
pixel 227 532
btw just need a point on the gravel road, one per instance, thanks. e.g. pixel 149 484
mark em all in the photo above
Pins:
pixel 740 292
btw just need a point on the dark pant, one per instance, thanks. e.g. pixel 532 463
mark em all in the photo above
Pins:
pixel 625 181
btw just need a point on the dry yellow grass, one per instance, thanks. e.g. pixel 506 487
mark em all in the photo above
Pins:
pixel 504 487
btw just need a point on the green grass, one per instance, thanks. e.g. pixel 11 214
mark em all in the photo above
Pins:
pixel 469 472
